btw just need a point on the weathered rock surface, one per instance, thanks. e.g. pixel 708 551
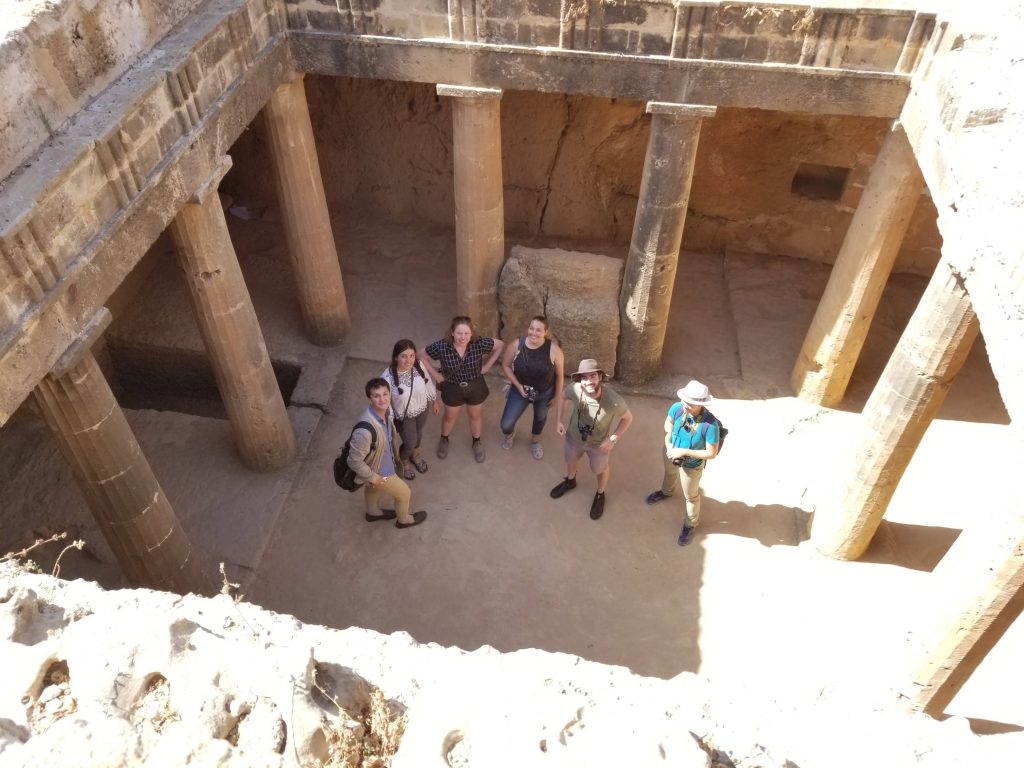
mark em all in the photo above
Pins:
pixel 579 293
pixel 146 678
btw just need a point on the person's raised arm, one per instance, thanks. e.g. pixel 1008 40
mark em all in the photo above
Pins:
pixel 620 430
pixel 623 425
pixel 499 345
pixel 559 409
pixel 558 359
pixel 506 366
pixel 435 374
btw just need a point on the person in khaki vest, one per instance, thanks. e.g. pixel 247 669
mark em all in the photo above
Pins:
pixel 597 418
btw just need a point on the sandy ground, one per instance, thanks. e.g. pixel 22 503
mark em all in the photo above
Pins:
pixel 500 563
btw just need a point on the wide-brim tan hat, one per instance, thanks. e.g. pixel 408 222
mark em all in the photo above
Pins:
pixel 695 393
pixel 589 365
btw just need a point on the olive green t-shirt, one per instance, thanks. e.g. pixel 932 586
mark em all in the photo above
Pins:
pixel 597 417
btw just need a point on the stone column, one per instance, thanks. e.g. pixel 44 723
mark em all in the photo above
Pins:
pixel 981 581
pixel 231 331
pixel 912 387
pixel 307 222
pixel 862 268
pixel 479 202
pixel 113 475
pixel 657 235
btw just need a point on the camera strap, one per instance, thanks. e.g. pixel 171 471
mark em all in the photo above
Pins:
pixel 581 408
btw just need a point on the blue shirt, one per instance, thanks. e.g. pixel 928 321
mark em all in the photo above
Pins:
pixel 690 433
pixel 387 463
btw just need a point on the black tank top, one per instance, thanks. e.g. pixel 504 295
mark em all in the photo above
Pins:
pixel 533 367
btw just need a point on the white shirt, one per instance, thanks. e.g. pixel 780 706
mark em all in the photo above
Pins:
pixel 417 393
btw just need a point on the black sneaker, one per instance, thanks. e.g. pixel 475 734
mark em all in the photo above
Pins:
pixel 597 507
pixel 417 518
pixel 655 496
pixel 685 535
pixel 563 487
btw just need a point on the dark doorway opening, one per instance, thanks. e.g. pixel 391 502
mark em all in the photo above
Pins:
pixel 820 182
pixel 179 380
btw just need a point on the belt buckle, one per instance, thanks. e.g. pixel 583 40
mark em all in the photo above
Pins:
pixel 463 383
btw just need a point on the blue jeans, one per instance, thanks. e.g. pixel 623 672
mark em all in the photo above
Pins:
pixel 516 405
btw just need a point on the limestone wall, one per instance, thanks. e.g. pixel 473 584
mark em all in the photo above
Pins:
pixel 572 168
pixel 56 56
pixel 872 39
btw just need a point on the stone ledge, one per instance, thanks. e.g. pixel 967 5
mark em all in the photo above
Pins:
pixel 643 78
pixel 155 678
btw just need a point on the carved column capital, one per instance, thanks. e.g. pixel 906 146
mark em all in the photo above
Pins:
pixel 680 110
pixel 468 91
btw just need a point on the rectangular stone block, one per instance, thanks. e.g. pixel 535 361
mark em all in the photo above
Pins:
pixel 756 49
pixel 393 26
pixel 433 25
pixel 545 35
pixel 329 20
pixel 583 313
pixel 616 41
pixel 730 48
pixel 548 9
pixel 15 295
pixel 626 14
pixel 786 51
pixel 655 45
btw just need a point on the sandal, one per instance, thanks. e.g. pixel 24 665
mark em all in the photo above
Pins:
pixel 407 471
pixel 420 464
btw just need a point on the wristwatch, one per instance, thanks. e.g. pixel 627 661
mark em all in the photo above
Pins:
pixel 613 439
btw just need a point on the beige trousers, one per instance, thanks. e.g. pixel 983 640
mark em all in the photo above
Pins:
pixel 395 487
pixel 689 479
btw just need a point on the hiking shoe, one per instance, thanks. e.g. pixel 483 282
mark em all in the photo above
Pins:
pixel 656 496
pixel 537 450
pixel 685 535
pixel 385 514
pixel 417 518
pixel 478 452
pixel 508 441
pixel 562 488
pixel 442 448
pixel 597 507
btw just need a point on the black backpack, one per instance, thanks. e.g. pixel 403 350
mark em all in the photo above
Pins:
pixel 722 430
pixel 344 475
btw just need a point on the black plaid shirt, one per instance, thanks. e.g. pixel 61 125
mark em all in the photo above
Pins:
pixel 455 368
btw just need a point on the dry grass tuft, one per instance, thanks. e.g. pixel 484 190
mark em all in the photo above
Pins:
pixel 369 739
